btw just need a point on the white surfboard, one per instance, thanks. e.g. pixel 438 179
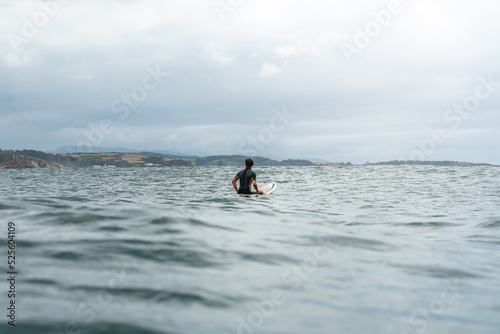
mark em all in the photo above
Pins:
pixel 267 189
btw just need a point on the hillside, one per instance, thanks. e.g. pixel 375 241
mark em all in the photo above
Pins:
pixel 429 163
pixel 120 160
pixel 38 159
pixel 92 159
pixel 233 160
pixel 9 160
pixel 239 160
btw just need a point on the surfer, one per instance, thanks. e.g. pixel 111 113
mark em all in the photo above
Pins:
pixel 246 177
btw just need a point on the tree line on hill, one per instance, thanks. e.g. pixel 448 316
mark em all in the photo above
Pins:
pixel 153 159
pixel 119 159
pixel 239 160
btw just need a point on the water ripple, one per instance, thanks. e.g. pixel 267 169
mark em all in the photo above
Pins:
pixel 351 249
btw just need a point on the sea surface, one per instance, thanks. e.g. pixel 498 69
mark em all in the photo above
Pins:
pixel 362 249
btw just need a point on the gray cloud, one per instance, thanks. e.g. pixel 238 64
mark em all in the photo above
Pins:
pixel 227 76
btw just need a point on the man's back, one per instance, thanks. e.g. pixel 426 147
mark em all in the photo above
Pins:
pixel 247 178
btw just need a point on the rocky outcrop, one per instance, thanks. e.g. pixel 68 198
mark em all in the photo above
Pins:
pixel 22 161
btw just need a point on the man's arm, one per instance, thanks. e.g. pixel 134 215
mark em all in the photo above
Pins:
pixel 257 189
pixel 234 185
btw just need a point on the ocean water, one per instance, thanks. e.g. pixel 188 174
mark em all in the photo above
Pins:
pixel 363 249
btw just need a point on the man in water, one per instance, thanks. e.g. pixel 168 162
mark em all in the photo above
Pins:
pixel 246 177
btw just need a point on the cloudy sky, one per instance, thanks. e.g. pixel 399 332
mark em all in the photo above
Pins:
pixel 339 80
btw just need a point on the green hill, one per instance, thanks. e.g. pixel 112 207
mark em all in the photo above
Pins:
pixel 233 160
pixel 428 163
pixel 121 160
pixel 296 162
pixel 89 159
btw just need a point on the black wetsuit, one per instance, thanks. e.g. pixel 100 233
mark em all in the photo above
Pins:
pixel 245 181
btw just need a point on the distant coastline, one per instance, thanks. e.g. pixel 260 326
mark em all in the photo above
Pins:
pixel 9 160
pixel 37 159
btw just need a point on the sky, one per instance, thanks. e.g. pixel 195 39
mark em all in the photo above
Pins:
pixel 358 81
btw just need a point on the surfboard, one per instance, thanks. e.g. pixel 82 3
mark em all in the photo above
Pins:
pixel 267 189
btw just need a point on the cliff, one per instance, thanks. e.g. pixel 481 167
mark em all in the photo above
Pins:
pixel 12 160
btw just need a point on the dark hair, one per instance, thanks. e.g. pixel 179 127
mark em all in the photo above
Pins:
pixel 249 163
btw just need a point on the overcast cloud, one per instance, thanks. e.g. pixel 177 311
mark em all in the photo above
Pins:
pixel 340 80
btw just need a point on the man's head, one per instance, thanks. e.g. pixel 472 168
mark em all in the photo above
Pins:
pixel 249 163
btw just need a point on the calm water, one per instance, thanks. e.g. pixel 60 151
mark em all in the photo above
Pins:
pixel 333 250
